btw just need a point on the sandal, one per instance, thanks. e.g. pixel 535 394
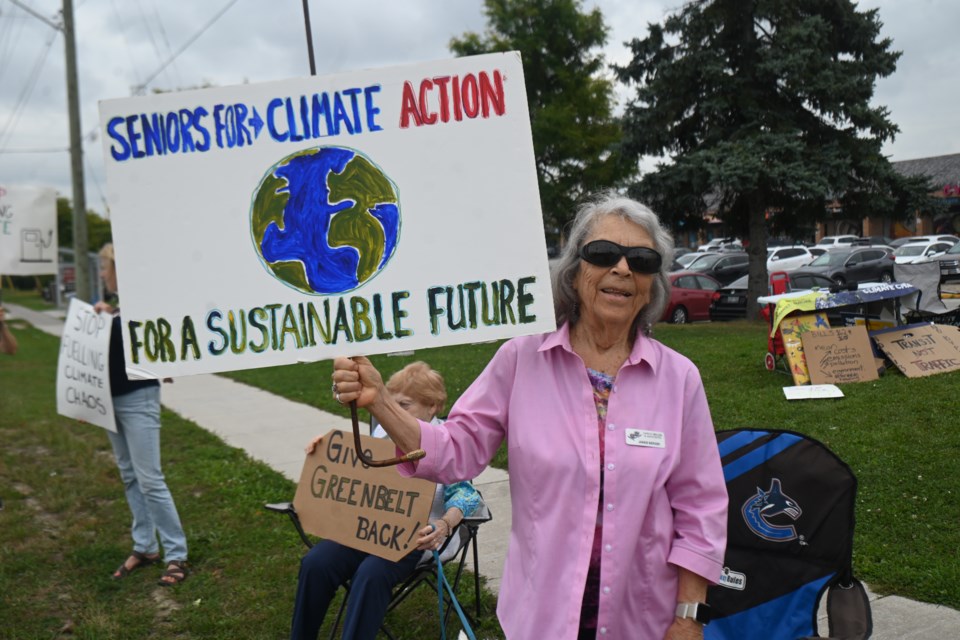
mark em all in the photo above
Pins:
pixel 143 560
pixel 175 574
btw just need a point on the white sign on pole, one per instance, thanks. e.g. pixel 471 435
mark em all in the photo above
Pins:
pixel 28 231
pixel 83 368
pixel 371 212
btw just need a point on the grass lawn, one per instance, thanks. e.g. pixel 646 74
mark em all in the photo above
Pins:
pixel 898 434
pixel 64 527
pixel 64 521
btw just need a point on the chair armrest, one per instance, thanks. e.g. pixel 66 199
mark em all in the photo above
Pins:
pixel 288 508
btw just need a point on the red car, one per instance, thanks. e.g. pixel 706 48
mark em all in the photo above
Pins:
pixel 690 297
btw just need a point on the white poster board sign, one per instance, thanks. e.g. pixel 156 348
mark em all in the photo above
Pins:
pixel 83 368
pixel 28 230
pixel 371 212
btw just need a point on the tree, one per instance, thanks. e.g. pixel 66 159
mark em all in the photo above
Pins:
pixel 765 105
pixel 575 136
pixel 98 229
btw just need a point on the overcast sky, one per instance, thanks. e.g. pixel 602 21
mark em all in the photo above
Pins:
pixel 122 43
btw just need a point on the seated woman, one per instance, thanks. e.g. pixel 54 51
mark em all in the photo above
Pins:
pixel 420 391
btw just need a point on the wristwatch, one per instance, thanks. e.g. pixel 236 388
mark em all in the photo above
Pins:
pixel 699 611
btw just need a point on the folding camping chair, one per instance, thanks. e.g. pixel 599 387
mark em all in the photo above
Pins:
pixel 465 537
pixel 928 306
pixel 789 540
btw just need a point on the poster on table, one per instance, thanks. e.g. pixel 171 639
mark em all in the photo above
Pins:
pixel 371 212
pixel 367 508
pixel 28 230
pixel 83 368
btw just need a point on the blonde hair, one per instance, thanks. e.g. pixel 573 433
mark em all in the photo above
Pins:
pixel 106 252
pixel 421 383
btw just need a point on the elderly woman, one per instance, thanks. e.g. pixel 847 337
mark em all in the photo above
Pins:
pixel 619 502
pixel 419 391
pixel 136 446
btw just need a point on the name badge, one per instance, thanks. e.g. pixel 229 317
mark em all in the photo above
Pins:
pixel 641 438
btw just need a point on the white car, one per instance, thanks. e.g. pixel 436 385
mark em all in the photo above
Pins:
pixel 787 258
pixel 919 251
pixel 717 243
pixel 831 242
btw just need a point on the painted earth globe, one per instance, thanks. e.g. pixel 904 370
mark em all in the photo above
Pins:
pixel 325 220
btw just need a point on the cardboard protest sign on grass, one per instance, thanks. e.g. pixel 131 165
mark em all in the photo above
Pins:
pixel 83 368
pixel 371 212
pixel 835 356
pixel 28 231
pixel 921 349
pixel 366 508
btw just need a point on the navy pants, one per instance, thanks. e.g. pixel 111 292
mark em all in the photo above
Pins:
pixel 327 566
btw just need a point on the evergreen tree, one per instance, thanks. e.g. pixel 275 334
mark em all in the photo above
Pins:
pixel 764 105
pixel 575 135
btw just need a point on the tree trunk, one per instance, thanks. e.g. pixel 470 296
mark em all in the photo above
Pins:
pixel 758 283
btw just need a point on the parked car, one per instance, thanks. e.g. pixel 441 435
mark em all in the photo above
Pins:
pixel 835 241
pixel 688 259
pixel 787 258
pixel 681 251
pixel 717 243
pixel 873 240
pixel 730 302
pixel 722 267
pixel 816 251
pixel 690 297
pixel 919 251
pixel 949 263
pixel 899 242
pixel 854 265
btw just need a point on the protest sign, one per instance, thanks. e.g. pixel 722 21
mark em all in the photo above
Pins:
pixel 835 356
pixel 366 508
pixel 83 368
pixel 28 231
pixel 921 349
pixel 371 212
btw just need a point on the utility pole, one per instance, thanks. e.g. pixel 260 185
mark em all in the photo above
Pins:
pixel 80 249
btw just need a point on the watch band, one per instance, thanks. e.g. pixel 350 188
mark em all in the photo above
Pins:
pixel 699 611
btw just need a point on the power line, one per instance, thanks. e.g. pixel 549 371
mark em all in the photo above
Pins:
pixel 139 89
pixel 25 94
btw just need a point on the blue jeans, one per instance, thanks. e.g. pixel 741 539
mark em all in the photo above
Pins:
pixel 136 445
pixel 327 566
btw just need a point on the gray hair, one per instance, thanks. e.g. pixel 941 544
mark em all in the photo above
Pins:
pixel 564 272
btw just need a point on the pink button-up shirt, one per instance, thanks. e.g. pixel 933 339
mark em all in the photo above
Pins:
pixel 664 507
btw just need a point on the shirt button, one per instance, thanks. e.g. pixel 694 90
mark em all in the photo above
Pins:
pixel 603 630
pixel 608 547
pixel 611 427
pixel 610 507
pixel 611 466
pixel 606 589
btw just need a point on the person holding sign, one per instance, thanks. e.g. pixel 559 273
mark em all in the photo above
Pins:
pixel 136 445
pixel 8 344
pixel 418 390
pixel 619 501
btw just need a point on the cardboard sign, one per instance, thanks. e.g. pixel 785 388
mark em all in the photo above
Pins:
pixel 28 231
pixel 835 356
pixel 372 212
pixel 791 330
pixel 83 373
pixel 366 508
pixel 921 350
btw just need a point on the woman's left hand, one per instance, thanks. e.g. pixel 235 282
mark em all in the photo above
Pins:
pixel 432 536
pixel 684 629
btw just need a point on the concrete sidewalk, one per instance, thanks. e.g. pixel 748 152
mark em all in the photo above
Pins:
pixel 273 429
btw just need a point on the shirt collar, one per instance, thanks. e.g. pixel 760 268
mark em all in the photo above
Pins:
pixel 642 348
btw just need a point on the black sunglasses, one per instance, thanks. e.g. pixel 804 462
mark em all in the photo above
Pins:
pixel 604 253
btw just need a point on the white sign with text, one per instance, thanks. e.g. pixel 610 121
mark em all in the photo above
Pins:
pixel 83 369
pixel 28 230
pixel 371 212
